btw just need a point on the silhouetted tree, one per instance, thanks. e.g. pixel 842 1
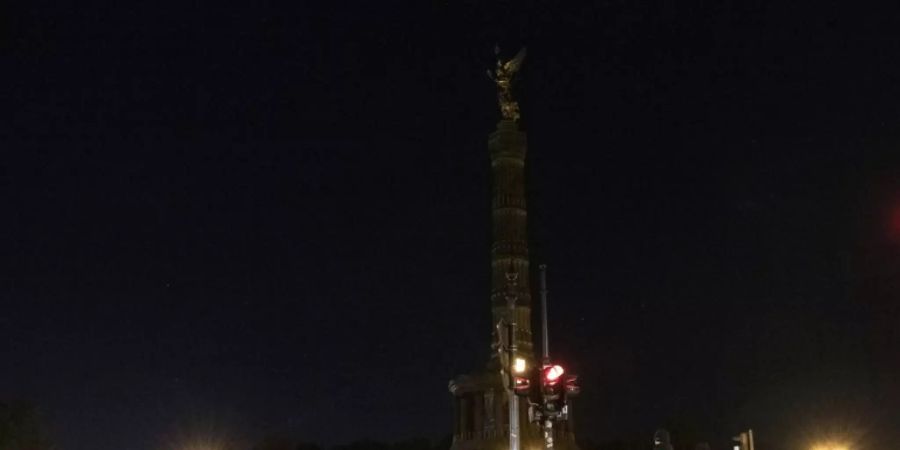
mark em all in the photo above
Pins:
pixel 628 443
pixel 285 443
pixel 21 428
pixel 685 434
pixel 276 443
pixel 412 444
pixel 408 444
pixel 443 443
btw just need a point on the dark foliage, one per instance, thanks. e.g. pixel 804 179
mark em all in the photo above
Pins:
pixel 284 443
pixel 21 427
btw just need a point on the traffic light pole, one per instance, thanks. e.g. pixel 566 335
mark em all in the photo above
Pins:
pixel 545 336
pixel 547 423
pixel 511 348
pixel 513 398
pixel 554 385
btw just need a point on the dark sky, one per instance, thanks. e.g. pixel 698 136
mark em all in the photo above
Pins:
pixel 275 219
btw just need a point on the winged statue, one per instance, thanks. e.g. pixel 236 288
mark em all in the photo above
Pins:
pixel 502 77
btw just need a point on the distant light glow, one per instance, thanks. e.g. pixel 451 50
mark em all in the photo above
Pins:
pixel 519 366
pixel 206 443
pixel 830 446
pixel 203 434
pixel 894 224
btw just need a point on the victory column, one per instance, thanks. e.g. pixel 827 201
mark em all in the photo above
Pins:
pixel 488 413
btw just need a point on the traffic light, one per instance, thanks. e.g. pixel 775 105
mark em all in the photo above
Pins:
pixel 556 387
pixel 553 390
pixel 522 386
pixel 553 374
pixel 521 377
pixel 571 385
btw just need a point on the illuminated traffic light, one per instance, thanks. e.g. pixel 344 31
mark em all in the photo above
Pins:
pixel 553 392
pixel 522 386
pixel 571 385
pixel 553 374
pixel 556 386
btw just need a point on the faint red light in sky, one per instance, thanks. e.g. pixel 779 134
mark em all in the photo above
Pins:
pixel 894 223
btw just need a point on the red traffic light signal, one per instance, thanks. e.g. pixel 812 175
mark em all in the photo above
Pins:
pixel 552 374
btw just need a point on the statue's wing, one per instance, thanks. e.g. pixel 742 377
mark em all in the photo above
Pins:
pixel 512 66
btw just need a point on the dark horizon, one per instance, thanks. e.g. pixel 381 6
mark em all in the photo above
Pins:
pixel 277 219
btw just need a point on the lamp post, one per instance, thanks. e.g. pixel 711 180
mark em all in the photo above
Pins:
pixel 511 361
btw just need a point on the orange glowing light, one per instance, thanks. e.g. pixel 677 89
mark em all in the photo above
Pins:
pixel 830 446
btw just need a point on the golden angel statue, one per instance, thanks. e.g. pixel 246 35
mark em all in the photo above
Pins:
pixel 503 76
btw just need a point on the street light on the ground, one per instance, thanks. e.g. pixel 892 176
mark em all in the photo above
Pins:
pixel 830 446
pixel 204 442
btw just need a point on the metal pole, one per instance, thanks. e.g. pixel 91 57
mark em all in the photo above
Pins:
pixel 545 337
pixel 511 349
pixel 548 434
pixel 545 352
pixel 513 398
pixel 750 432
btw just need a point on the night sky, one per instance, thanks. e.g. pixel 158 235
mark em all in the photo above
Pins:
pixel 275 219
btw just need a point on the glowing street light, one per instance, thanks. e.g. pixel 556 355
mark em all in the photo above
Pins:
pixel 203 441
pixel 830 446
pixel 519 365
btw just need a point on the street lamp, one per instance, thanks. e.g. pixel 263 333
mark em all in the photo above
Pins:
pixel 830 446
pixel 519 366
